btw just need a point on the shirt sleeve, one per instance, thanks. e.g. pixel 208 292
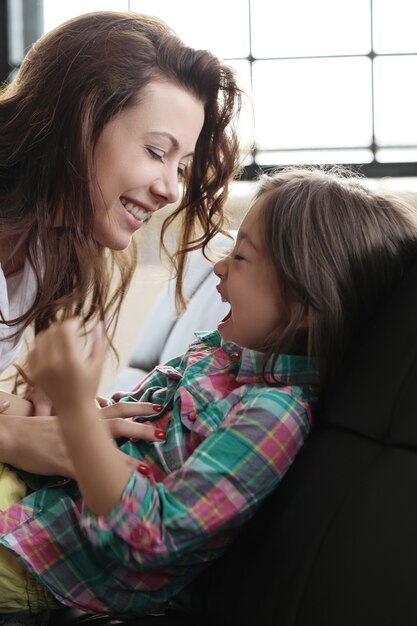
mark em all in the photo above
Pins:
pixel 219 487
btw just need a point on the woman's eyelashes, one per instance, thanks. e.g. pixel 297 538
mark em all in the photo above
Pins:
pixel 160 156
pixel 155 155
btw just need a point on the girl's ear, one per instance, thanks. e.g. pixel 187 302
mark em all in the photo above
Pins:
pixel 300 318
pixel 304 322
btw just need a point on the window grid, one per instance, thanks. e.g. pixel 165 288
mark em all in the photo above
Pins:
pixel 374 168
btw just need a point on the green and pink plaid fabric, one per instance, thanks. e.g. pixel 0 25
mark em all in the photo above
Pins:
pixel 231 437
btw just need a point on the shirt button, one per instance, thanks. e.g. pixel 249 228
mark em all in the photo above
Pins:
pixel 192 416
pixel 235 356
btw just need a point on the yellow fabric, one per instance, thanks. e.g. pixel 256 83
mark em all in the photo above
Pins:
pixel 19 590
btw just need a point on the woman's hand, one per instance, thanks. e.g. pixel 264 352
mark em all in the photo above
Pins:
pixel 35 444
pixel 14 405
pixel 119 418
pixel 42 405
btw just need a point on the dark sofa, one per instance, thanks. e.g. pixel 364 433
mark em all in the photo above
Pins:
pixel 336 544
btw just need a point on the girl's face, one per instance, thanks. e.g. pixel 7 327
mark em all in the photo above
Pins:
pixel 139 158
pixel 248 282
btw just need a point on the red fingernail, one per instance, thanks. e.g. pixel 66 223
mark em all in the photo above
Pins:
pixel 160 434
pixel 156 407
pixel 143 469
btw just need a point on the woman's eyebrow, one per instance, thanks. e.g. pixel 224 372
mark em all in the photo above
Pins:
pixel 173 140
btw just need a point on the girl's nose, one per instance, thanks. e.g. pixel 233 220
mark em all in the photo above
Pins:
pixel 220 267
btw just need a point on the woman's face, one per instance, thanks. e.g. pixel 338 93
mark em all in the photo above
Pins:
pixel 139 157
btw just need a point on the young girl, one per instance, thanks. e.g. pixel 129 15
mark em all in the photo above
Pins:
pixel 315 256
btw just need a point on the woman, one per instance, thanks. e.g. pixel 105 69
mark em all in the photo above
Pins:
pixel 105 113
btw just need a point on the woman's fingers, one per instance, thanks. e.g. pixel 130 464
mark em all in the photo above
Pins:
pixel 130 409
pixel 14 405
pixel 130 461
pixel 4 405
pixel 102 402
pixel 122 427
pixel 42 405
pixel 117 419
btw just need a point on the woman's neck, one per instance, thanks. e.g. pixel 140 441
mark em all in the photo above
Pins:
pixel 12 258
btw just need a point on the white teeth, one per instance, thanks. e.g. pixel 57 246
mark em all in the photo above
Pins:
pixel 137 212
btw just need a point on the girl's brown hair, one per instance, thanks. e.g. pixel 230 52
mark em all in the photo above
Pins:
pixel 339 248
pixel 73 81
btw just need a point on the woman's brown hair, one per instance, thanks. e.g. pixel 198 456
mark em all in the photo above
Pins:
pixel 339 248
pixel 73 81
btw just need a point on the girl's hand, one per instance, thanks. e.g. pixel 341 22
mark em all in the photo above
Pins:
pixel 58 363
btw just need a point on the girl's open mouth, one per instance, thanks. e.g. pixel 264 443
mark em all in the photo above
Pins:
pixel 226 318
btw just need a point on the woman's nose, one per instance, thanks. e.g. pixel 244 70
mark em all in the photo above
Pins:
pixel 167 186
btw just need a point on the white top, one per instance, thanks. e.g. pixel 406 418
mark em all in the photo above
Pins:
pixel 17 294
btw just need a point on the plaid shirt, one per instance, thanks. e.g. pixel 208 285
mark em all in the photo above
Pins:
pixel 230 439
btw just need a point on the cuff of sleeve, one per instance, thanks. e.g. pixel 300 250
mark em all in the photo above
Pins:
pixel 101 528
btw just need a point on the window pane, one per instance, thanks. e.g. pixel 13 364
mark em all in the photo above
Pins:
pixel 397 155
pixel 57 12
pixel 304 157
pixel 304 27
pixel 221 26
pixel 395 100
pixel 395 26
pixel 16 43
pixel 246 128
pixel 313 103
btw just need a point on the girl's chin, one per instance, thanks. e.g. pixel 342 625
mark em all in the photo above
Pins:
pixel 224 321
pixel 225 335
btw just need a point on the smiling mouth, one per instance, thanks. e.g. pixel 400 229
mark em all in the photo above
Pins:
pixel 138 212
pixel 226 317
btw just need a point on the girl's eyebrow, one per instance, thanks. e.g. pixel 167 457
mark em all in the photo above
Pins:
pixel 243 235
pixel 173 140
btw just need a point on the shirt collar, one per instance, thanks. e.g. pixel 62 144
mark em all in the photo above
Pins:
pixel 288 369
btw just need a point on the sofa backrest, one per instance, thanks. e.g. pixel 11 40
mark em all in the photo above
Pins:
pixel 165 335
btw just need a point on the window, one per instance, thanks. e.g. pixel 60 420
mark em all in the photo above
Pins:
pixel 331 81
